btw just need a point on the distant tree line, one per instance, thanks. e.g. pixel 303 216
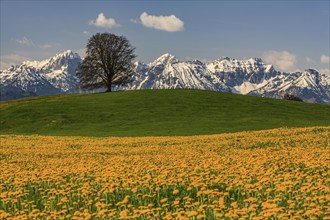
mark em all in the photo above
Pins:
pixel 291 97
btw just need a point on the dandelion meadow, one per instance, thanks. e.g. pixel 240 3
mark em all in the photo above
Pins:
pixel 271 174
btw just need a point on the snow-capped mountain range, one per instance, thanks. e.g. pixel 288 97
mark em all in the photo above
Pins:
pixel 36 78
pixel 249 77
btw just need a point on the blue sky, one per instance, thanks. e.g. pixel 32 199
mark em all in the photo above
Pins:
pixel 292 35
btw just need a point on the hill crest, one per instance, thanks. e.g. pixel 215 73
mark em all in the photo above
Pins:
pixel 155 113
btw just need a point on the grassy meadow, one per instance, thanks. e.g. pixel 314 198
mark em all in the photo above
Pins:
pixel 155 113
pixel 271 174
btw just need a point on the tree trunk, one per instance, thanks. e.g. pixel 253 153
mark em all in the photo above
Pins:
pixel 109 87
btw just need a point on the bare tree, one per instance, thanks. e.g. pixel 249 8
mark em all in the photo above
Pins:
pixel 108 62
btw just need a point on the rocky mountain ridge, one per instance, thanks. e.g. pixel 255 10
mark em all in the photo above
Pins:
pixel 249 77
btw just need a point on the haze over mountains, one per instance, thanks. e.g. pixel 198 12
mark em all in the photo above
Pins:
pixel 250 77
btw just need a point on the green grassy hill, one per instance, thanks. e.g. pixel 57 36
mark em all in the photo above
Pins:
pixel 155 112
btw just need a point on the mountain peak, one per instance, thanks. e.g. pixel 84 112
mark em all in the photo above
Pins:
pixel 66 54
pixel 258 60
pixel 164 59
pixel 311 71
pixel 50 76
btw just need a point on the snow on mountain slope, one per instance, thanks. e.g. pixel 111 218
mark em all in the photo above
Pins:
pixel 27 79
pixel 247 87
pixel 307 85
pixel 241 73
pixel 251 77
pixel 59 70
pixel 52 76
pixel 167 72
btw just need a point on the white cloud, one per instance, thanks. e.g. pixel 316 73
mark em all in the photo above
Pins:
pixel 102 21
pixel 46 46
pixel 86 32
pixel 166 23
pixel 325 71
pixel 29 42
pixel 25 41
pixel 135 21
pixel 325 59
pixel 284 60
pixel 308 59
pixel 11 59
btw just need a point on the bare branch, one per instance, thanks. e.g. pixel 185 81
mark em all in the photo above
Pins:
pixel 109 61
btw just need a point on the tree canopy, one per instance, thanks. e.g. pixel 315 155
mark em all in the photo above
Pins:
pixel 109 61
